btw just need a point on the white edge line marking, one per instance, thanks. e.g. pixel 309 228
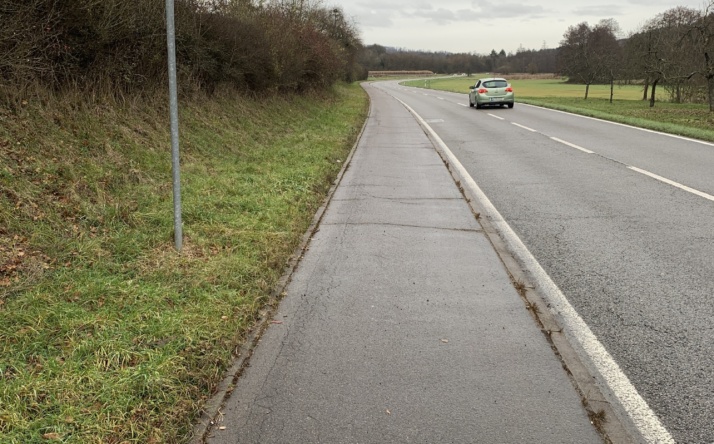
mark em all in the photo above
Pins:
pixel 646 421
pixel 673 183
pixel 524 127
pixel 572 145
pixel 688 139
pixel 462 104
pixel 496 117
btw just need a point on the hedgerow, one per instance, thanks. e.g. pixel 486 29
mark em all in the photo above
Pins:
pixel 119 47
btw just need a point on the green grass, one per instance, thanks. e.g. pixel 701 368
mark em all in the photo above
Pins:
pixel 535 87
pixel 684 119
pixel 690 120
pixel 558 88
pixel 107 335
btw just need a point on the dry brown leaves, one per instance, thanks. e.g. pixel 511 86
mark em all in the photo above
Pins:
pixel 18 261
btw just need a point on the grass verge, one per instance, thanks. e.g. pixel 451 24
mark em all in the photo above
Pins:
pixel 689 120
pixel 684 119
pixel 107 335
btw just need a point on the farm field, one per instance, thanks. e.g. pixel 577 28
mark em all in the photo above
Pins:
pixel 690 120
pixel 535 87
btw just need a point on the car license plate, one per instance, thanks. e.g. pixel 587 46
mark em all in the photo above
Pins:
pixel 496 99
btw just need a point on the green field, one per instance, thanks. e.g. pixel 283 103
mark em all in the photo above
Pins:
pixel 536 88
pixel 691 120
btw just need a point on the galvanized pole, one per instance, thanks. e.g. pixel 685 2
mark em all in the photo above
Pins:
pixel 173 105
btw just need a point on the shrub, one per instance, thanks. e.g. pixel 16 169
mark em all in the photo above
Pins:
pixel 119 47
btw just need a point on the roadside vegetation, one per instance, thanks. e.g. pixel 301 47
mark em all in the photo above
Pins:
pixel 118 48
pixel 628 107
pixel 107 334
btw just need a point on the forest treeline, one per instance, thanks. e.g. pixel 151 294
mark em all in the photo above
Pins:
pixel 381 58
pixel 119 46
pixel 297 45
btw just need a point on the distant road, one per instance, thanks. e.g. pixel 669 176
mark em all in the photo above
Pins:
pixel 621 219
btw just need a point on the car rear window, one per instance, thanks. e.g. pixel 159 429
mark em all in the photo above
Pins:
pixel 495 84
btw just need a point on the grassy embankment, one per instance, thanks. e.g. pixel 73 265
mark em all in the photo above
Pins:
pixel 690 120
pixel 107 335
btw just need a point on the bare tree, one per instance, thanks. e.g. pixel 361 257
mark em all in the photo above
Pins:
pixel 607 52
pixel 575 56
pixel 590 54
pixel 636 45
pixel 661 51
pixel 702 38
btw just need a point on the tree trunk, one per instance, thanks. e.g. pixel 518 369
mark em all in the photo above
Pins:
pixel 587 89
pixel 709 73
pixel 612 88
pixel 645 89
pixel 652 97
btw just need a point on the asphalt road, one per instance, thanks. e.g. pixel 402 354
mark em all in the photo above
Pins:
pixel 401 324
pixel 621 220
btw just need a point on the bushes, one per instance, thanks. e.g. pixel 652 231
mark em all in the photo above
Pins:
pixel 119 47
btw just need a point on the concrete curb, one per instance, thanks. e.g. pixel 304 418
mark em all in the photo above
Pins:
pixel 212 409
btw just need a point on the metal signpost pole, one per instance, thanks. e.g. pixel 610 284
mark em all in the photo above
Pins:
pixel 173 104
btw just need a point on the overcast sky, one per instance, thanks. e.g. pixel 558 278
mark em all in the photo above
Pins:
pixel 482 25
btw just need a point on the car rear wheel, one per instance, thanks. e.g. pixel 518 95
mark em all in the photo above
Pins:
pixel 471 104
pixel 510 105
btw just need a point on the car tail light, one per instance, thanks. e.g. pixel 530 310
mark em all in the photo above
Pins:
pixel 482 91
pixel 509 89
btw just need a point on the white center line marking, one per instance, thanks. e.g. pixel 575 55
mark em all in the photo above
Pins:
pixel 462 104
pixel 440 98
pixel 524 127
pixel 496 117
pixel 673 183
pixel 572 145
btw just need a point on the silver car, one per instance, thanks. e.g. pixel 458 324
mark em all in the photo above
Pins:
pixel 493 91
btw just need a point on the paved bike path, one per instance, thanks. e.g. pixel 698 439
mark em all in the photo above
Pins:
pixel 400 323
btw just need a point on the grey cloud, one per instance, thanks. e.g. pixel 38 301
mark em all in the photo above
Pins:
pixel 651 3
pixel 393 6
pixel 509 10
pixel 381 14
pixel 599 11
pixel 377 14
pixel 384 13
pixel 444 17
pixel 441 16
pixel 375 20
